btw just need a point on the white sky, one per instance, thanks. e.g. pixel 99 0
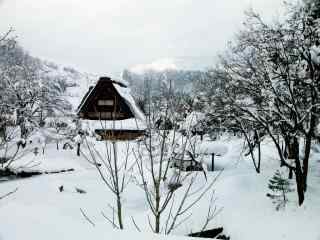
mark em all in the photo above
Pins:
pixel 104 36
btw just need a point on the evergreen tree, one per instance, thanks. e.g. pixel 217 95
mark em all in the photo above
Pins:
pixel 279 187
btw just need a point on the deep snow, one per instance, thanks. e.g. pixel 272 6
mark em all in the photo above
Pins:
pixel 39 211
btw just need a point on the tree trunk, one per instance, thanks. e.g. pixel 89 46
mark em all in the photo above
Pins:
pixel 22 124
pixel 251 151
pixel 212 162
pixel 116 172
pixel 157 228
pixel 294 144
pixel 305 167
pixel 157 215
pixel 119 211
pixel 3 132
pixel 291 146
pixel 23 129
pixel 290 173
pixel 78 149
pixel 259 151
pixel 300 184
pixel 307 150
pixel 289 153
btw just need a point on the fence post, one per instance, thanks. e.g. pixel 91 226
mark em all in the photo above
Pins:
pixel 212 161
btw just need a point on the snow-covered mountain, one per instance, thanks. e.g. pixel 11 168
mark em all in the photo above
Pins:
pixel 181 71
pixel 176 63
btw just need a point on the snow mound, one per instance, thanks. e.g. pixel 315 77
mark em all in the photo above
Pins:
pixel 208 147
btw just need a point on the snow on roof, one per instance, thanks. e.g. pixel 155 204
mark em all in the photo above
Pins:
pixel 125 93
pixel 83 101
pixel 209 147
pixel 127 124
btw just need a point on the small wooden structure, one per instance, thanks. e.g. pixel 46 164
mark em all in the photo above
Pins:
pixel 185 162
pixel 110 102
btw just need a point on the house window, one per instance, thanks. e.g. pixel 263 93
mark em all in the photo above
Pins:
pixel 99 115
pixel 104 115
pixel 108 102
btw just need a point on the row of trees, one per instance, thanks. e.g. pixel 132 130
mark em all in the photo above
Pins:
pixel 267 84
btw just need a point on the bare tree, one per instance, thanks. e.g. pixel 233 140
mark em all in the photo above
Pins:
pixel 157 177
pixel 114 171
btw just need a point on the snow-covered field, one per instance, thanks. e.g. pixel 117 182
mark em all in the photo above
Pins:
pixel 38 210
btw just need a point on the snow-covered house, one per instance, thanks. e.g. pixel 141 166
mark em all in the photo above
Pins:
pixel 110 112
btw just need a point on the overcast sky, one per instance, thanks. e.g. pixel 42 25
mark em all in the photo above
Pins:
pixel 104 36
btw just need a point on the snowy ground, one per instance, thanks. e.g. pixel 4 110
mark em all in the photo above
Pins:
pixel 39 211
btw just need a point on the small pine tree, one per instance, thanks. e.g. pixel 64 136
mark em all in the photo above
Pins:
pixel 279 187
